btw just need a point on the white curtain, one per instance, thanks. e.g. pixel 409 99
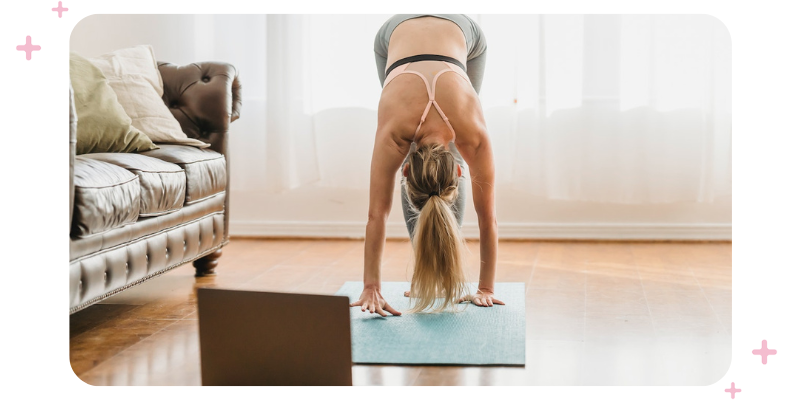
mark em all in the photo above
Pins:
pixel 604 108
pixel 290 148
pixel 274 140
pixel 622 109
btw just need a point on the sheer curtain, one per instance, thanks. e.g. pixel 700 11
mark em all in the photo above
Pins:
pixel 274 140
pixel 622 109
pixel 606 108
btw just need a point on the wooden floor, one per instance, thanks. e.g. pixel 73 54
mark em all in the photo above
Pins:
pixel 598 313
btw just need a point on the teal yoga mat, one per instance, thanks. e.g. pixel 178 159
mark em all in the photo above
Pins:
pixel 475 336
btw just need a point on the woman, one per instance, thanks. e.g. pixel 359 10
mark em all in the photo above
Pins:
pixel 431 125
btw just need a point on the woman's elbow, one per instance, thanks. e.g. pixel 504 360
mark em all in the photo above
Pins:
pixel 487 221
pixel 377 217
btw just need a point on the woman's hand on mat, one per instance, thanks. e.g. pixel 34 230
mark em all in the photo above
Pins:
pixel 372 300
pixel 483 298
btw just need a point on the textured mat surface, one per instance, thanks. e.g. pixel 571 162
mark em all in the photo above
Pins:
pixel 475 336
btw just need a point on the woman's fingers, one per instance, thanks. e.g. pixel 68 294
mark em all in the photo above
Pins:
pixel 391 309
pixel 374 307
pixel 482 301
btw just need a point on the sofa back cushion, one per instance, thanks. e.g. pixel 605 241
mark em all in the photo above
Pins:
pixel 134 76
pixel 103 125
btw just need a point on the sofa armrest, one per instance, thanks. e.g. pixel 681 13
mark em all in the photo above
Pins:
pixel 73 139
pixel 204 97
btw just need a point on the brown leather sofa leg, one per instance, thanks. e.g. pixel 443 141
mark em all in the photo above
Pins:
pixel 205 266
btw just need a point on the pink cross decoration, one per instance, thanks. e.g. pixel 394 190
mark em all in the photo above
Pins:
pixel 764 352
pixel 28 48
pixel 733 390
pixel 60 9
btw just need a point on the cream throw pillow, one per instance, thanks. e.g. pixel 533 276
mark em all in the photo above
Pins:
pixel 133 74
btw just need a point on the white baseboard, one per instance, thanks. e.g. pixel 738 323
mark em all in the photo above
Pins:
pixel 342 229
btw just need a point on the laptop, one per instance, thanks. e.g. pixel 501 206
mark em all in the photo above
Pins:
pixel 261 338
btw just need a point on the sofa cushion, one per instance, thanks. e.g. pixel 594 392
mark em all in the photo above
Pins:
pixel 204 168
pixel 163 184
pixel 106 197
pixel 133 74
pixel 103 125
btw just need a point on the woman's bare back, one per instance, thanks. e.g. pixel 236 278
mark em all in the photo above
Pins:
pixel 405 98
pixel 427 35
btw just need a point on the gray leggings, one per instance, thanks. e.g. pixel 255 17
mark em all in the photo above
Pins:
pixel 476 44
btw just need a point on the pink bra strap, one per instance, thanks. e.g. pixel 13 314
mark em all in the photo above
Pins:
pixel 430 88
pixel 397 71
pixel 425 80
pixel 444 117
pixel 436 78
pixel 425 115
pixel 433 96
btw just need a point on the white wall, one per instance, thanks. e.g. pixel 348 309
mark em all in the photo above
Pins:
pixel 317 210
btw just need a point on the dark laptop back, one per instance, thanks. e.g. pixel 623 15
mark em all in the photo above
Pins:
pixel 262 338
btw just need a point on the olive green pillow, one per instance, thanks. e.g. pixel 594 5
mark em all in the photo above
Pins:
pixel 103 126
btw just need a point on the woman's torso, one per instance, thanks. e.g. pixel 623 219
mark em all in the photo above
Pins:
pixel 404 100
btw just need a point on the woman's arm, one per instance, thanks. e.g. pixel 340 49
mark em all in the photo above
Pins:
pixel 476 148
pixel 387 156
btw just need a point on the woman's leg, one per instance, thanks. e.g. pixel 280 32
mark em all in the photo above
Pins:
pixel 476 47
pixel 409 215
pixel 461 200
pixel 381 44
pixel 380 62
pixel 476 58
pixel 475 69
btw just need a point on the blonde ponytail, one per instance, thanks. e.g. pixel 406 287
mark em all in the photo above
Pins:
pixel 432 188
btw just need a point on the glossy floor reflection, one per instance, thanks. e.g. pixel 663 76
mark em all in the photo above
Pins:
pixel 598 313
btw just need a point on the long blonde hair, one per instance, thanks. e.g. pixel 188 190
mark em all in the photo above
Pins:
pixel 432 189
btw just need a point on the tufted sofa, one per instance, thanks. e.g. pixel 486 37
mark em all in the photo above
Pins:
pixel 134 216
